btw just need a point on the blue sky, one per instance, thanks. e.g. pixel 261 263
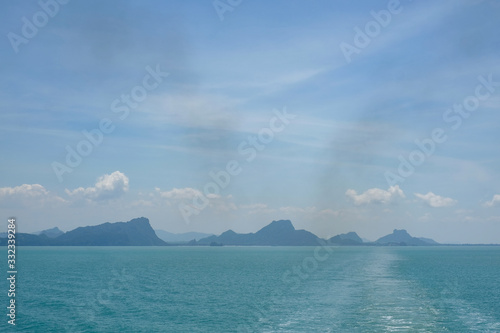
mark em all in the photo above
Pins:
pixel 426 71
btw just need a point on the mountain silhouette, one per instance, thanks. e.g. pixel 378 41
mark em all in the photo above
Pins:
pixel 134 232
pixel 351 238
pixel 51 233
pixel 138 232
pixel 402 237
pixel 277 233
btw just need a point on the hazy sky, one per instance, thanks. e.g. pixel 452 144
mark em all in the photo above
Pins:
pixel 338 115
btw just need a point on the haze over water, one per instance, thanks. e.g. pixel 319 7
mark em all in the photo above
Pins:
pixel 242 289
pixel 220 116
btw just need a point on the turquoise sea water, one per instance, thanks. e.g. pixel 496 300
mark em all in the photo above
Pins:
pixel 256 289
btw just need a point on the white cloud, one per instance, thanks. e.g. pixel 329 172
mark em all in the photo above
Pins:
pixel 186 193
pixel 34 190
pixel 107 187
pixel 375 195
pixel 435 200
pixel 493 202
pixel 27 195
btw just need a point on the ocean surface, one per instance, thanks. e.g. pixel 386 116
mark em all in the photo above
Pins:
pixel 255 289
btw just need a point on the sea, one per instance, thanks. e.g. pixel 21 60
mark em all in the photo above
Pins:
pixel 255 289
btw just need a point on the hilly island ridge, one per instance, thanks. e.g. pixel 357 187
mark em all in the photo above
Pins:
pixel 138 232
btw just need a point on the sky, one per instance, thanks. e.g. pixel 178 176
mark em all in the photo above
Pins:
pixel 205 116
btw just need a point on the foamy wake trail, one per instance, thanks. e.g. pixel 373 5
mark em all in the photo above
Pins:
pixel 361 293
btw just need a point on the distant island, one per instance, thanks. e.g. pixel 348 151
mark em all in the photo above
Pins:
pixel 138 232
pixel 283 233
